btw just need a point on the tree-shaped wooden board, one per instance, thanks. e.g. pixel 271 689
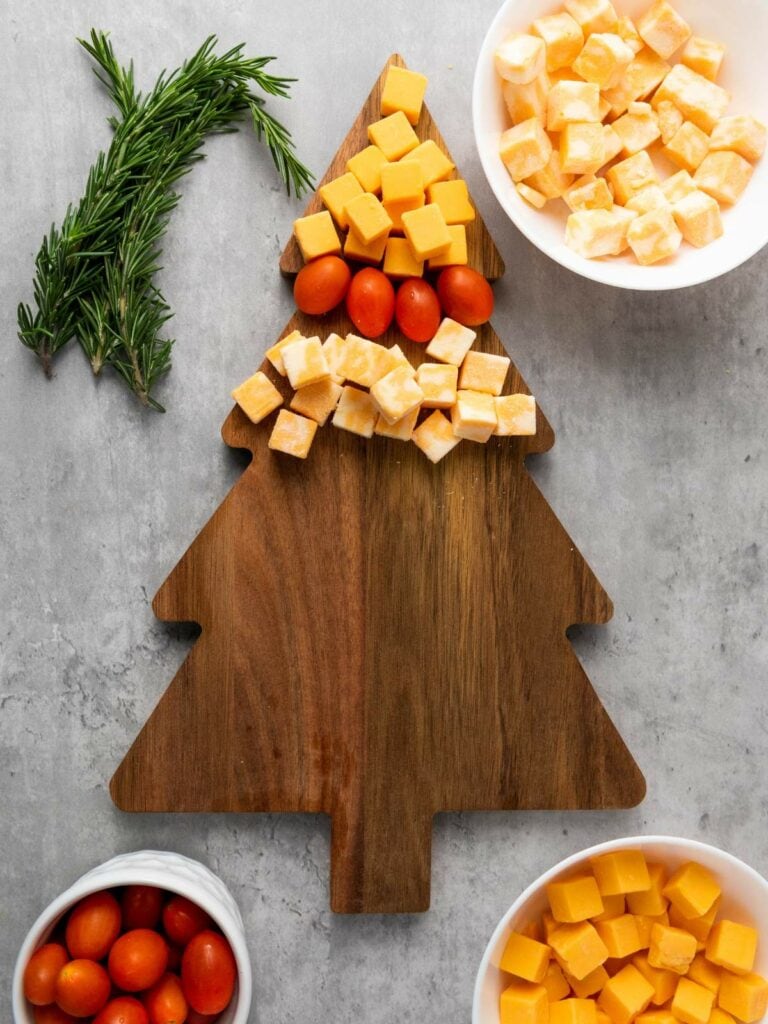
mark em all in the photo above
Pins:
pixel 382 639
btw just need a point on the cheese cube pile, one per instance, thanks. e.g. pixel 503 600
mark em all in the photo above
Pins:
pixel 397 201
pixel 594 99
pixel 366 388
pixel 625 941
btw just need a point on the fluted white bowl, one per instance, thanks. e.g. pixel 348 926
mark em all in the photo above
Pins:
pixel 170 871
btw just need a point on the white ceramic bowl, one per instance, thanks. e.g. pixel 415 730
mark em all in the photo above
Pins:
pixel 165 870
pixel 742 25
pixel 745 898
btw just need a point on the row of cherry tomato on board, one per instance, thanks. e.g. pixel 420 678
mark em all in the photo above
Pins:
pixel 136 956
pixel 372 303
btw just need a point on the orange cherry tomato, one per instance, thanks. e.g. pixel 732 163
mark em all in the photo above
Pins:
pixel 417 309
pixel 465 295
pixel 123 1010
pixel 208 972
pixel 371 302
pixel 82 988
pixel 142 906
pixel 93 926
pixel 41 973
pixel 53 1014
pixel 138 959
pixel 321 285
pixel 165 1001
pixel 183 919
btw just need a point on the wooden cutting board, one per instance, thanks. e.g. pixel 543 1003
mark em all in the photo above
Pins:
pixel 382 639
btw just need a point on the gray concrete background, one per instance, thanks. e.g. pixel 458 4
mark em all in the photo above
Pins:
pixel 659 473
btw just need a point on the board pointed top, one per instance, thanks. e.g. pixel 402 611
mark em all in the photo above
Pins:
pixel 482 253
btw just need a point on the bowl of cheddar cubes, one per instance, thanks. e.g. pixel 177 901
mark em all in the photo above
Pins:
pixel 646 930
pixel 626 138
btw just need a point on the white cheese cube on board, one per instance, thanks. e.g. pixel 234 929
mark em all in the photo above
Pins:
pixel 435 437
pixel 402 430
pixel 439 382
pixel 474 416
pixel 365 361
pixel 305 362
pixel 292 435
pixel 356 412
pixel 275 354
pixel 396 394
pixel 481 371
pixel 451 342
pixel 516 416
pixel 257 397
pixel 317 401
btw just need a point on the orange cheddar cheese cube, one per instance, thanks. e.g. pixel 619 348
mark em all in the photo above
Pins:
pixel 650 901
pixel 698 99
pixel 521 1002
pixel 401 182
pixel 364 362
pixel 355 412
pixel 621 871
pixel 692 889
pixel 367 217
pixel 524 149
pixel 670 119
pixel 292 434
pixel 627 178
pixel 700 927
pixel 733 946
pixel 671 949
pixel 257 397
pixel 692 1003
pixel 720 1017
pixel 435 437
pixel 571 102
pixel 698 217
pixel 526 101
pixel 305 362
pixel 594 982
pixel 555 983
pixel 435 165
pixel 590 193
pixel 678 186
pixel 724 176
pixel 645 923
pixel 637 130
pixel 535 199
pixel 582 148
pixel 366 167
pixel 473 416
pixel 453 199
pixel 402 430
pixel 687 147
pixel 704 56
pixel 578 947
pixel 316 235
pixel 654 236
pixel 625 995
pixel 521 58
pixel 356 249
pixel 317 401
pixel 664 982
pixel 396 394
pixel 451 342
pixel 571 899
pixel 613 906
pixel 426 230
pixel 595 233
pixel 274 354
pixel 456 253
pixel 395 211
pixel 704 973
pixel 525 958
pixel 620 935
pixel 744 996
pixel 393 135
pixel 655 1017
pixel 562 37
pixel 573 1011
pixel 516 417
pixel 744 135
pixel 663 29
pixel 439 382
pixel 604 59
pixel 337 193
pixel 403 90
pixel 399 260
pixel 593 15
pixel 551 181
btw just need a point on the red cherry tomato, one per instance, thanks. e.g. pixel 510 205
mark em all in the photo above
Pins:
pixel 321 285
pixel 417 309
pixel 142 906
pixel 371 302
pixel 41 973
pixel 138 959
pixel 82 988
pixel 174 958
pixel 123 1010
pixel 93 926
pixel 465 295
pixel 53 1014
pixel 183 919
pixel 165 1001
pixel 208 972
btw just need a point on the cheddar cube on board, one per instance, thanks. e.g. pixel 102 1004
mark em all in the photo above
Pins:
pixel 356 249
pixel 524 149
pixel 596 233
pixel 356 412
pixel 744 135
pixel 439 382
pixel 525 958
pixel 627 179
pixel 427 231
pixel 305 362
pixel 366 167
pixel 621 871
pixel 451 342
pixel 551 181
pixel 692 1003
pixel 650 901
pixel 604 59
pixel 625 995
pixel 393 135
pixel 435 437
pixel 678 186
pixel 692 889
pixel 664 982
pixel 724 176
pixel 613 906
pixel 396 394
pixel 292 434
pixel 578 947
pixel 274 354
pixel 620 935
pixel 516 417
pixel 671 949
pixel 364 362
pixel 705 973
pixel 569 102
pixel 435 165
pixel 482 371
pixel 526 101
pixel 562 37
pixel 593 15
pixel 704 56
pixel 687 147
pixel 257 397
pixel 316 235
pixel 473 416
pixel 401 181
pixel 698 99
pixel 733 946
pixel 582 148
pixel 521 58
pixel 670 119
pixel 594 982
pixel 589 193
pixel 663 29
pixel 368 218
pixel 395 211
pixel 654 236
pixel 698 217
pixel 399 260
pixel 402 430
pixel 573 1011
pixel 317 401
pixel 453 199
pixel 337 193
pixel 745 996
pixel 403 90
pixel 554 982
pixel 456 253
pixel 641 77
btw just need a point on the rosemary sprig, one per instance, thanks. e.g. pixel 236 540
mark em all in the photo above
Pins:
pixel 95 274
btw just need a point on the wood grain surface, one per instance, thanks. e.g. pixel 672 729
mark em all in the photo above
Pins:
pixel 382 639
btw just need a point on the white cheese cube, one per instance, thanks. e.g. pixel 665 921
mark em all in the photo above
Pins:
pixel 396 394
pixel 317 401
pixel 678 186
pixel 439 382
pixel 742 134
pixel 521 58
pixel 435 437
pixel 663 29
pixel 451 342
pixel 292 435
pixel 637 130
pixel 604 59
pixel 525 149
pixel 305 362
pixel 698 99
pixel 703 56
pixel 589 193
pixel 257 397
pixel 531 196
pixel 526 101
pixel 595 233
pixel 402 430
pixel 333 350
pixel 654 236
pixel 515 415
pixel 572 102
pixel 481 371
pixel 593 15
pixel 562 37
pixel 649 198
pixel 364 362
pixel 698 217
pixel 356 412
pixel 670 119
pixel 474 416
pixel 400 359
pixel 275 354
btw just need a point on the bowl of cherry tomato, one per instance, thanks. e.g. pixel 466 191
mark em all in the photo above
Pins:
pixel 147 938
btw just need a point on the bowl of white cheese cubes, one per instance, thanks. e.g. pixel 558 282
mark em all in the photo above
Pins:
pixel 626 138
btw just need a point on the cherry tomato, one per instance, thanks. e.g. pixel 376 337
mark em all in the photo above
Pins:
pixel 174 958
pixel 93 926
pixel 208 972
pixel 165 1001
pixel 82 988
pixel 321 285
pixel 183 919
pixel 41 973
pixel 141 906
pixel 371 302
pixel 138 959
pixel 417 309
pixel 123 1010
pixel 465 295
pixel 53 1014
